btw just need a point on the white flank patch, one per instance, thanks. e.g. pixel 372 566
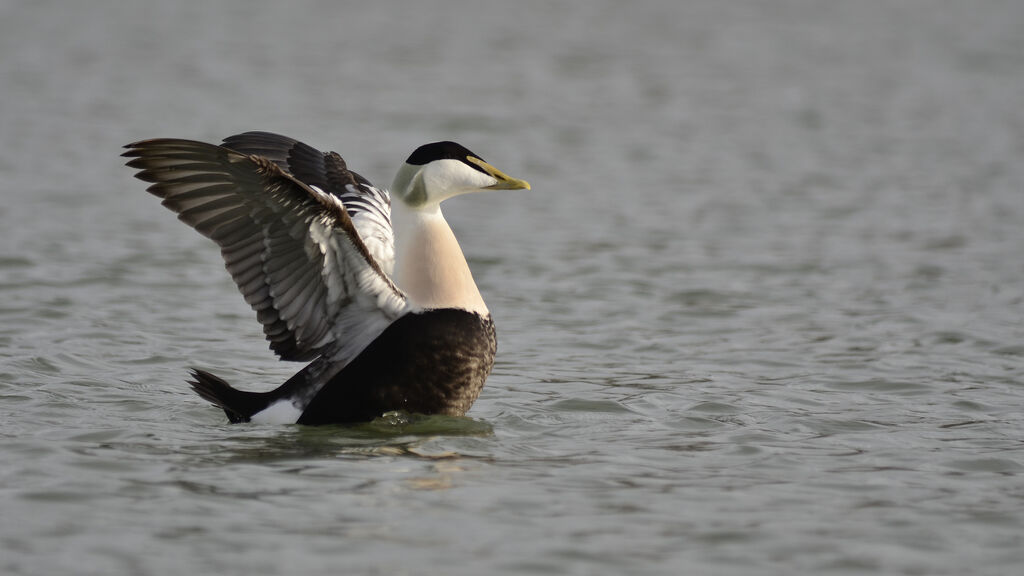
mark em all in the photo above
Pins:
pixel 280 412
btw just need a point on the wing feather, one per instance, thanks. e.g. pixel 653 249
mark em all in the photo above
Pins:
pixel 368 207
pixel 296 256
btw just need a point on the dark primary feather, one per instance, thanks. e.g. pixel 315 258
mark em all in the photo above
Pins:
pixel 294 254
pixel 368 206
pixel 327 171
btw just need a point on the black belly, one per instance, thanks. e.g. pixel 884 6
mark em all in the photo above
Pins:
pixel 431 362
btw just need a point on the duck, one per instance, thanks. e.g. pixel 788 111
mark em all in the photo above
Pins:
pixel 368 286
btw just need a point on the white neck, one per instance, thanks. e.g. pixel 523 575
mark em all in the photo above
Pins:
pixel 429 265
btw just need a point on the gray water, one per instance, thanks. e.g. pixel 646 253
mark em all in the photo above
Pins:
pixel 762 312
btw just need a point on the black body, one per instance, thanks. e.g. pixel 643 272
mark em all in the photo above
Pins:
pixel 430 362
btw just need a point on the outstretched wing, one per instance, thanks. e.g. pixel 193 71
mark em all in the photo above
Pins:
pixel 369 207
pixel 292 250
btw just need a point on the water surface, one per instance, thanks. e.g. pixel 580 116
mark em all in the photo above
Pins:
pixel 762 312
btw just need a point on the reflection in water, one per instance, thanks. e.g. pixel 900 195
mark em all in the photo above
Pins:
pixel 393 434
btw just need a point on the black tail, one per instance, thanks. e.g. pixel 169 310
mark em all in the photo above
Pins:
pixel 237 404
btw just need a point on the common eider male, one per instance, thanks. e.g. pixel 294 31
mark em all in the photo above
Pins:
pixel 390 319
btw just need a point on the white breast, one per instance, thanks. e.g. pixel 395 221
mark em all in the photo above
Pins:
pixel 429 264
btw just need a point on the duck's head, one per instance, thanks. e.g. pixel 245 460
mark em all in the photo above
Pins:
pixel 440 170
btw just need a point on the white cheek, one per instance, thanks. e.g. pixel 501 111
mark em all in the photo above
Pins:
pixel 481 180
pixel 456 177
